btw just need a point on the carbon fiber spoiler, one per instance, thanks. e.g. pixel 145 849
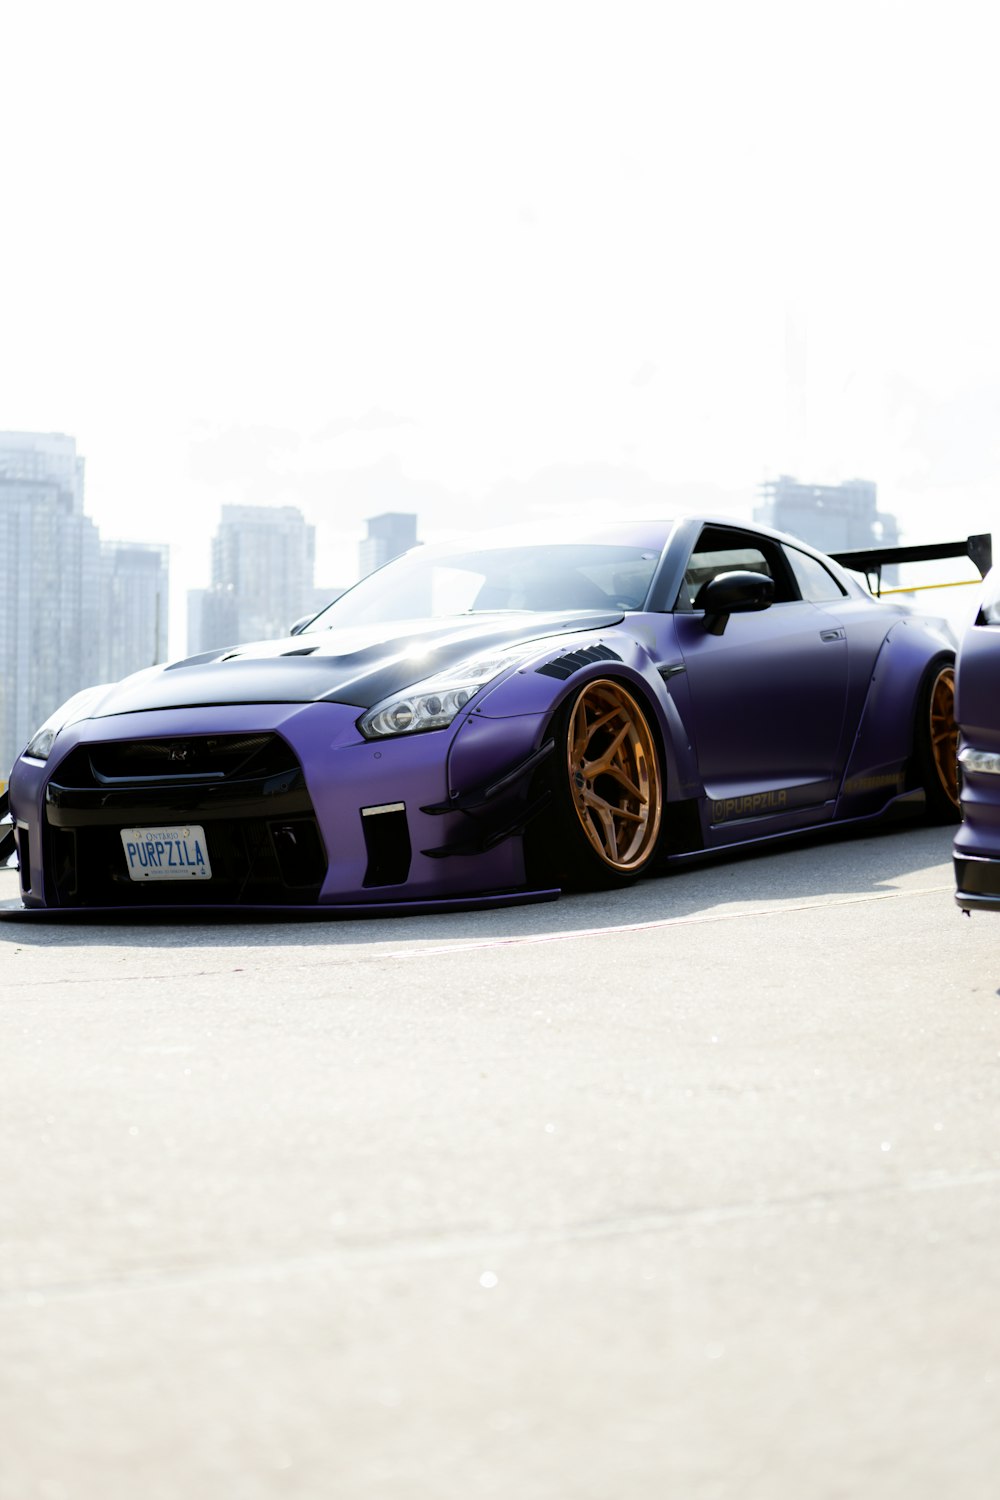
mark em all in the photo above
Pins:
pixel 871 560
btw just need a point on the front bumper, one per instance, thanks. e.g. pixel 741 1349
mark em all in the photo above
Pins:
pixel 976 848
pixel 320 820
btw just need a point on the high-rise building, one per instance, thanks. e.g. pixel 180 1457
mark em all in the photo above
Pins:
pixel 135 578
pixel 49 637
pixel 389 535
pixel 48 458
pixel 262 578
pixel 72 612
pixel 212 619
pixel 830 517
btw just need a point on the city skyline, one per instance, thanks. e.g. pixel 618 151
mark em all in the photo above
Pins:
pixel 80 608
pixel 584 491
pixel 113 596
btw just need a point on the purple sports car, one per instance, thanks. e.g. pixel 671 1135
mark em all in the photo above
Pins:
pixel 494 720
pixel 977 709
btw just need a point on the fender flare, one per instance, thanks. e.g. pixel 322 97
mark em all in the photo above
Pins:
pixel 879 759
pixel 521 715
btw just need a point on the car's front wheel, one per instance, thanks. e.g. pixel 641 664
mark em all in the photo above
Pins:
pixel 936 741
pixel 608 789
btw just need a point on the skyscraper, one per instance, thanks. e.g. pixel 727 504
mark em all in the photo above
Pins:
pixel 49 638
pixel 72 612
pixel 831 517
pixel 262 577
pixel 212 619
pixel 134 607
pixel 389 535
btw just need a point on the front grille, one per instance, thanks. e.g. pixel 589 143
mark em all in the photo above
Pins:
pixel 247 792
pixel 183 758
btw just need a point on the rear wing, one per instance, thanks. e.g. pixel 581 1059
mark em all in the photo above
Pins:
pixel 871 561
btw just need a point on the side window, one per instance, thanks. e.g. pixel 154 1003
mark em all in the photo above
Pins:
pixel 815 582
pixel 721 550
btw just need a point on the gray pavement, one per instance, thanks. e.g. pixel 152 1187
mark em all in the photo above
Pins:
pixel 692 1191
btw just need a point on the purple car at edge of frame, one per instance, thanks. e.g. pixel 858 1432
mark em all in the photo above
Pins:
pixel 977 710
pixel 497 719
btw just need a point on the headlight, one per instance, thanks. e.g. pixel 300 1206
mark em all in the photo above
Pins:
pixel 984 761
pixel 433 704
pixel 74 709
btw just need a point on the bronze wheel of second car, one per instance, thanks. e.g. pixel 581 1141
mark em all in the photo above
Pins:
pixel 614 779
pixel 936 741
pixel 943 732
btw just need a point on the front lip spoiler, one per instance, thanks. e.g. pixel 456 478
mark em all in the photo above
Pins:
pixel 977 882
pixel 206 915
pixel 976 903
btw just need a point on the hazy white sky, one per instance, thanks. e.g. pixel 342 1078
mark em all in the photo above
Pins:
pixel 485 259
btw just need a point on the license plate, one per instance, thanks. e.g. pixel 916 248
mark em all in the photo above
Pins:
pixel 179 853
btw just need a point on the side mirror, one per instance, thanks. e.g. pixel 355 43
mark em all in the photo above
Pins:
pixel 300 625
pixel 736 593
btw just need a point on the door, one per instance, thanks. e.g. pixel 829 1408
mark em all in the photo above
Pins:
pixel 767 694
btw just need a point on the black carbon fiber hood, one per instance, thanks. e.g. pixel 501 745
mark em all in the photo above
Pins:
pixel 356 667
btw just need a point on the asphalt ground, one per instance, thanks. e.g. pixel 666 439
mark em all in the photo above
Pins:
pixel 690 1191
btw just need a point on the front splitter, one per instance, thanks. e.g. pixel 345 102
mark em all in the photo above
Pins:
pixel 348 911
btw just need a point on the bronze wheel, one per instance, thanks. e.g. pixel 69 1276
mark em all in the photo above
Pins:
pixel 614 779
pixel 936 741
pixel 944 732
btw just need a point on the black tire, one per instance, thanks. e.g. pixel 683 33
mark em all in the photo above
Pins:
pixel 935 741
pixel 602 829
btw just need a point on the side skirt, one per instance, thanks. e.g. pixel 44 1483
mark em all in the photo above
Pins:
pixel 902 807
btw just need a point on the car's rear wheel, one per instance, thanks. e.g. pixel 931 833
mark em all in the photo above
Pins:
pixel 608 789
pixel 936 741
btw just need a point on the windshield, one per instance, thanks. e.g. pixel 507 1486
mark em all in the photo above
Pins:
pixel 436 581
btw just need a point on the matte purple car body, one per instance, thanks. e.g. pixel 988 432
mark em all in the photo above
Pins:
pixel 766 722
pixel 977 709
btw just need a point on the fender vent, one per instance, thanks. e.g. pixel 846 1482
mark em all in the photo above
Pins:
pixel 565 666
pixel 24 858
